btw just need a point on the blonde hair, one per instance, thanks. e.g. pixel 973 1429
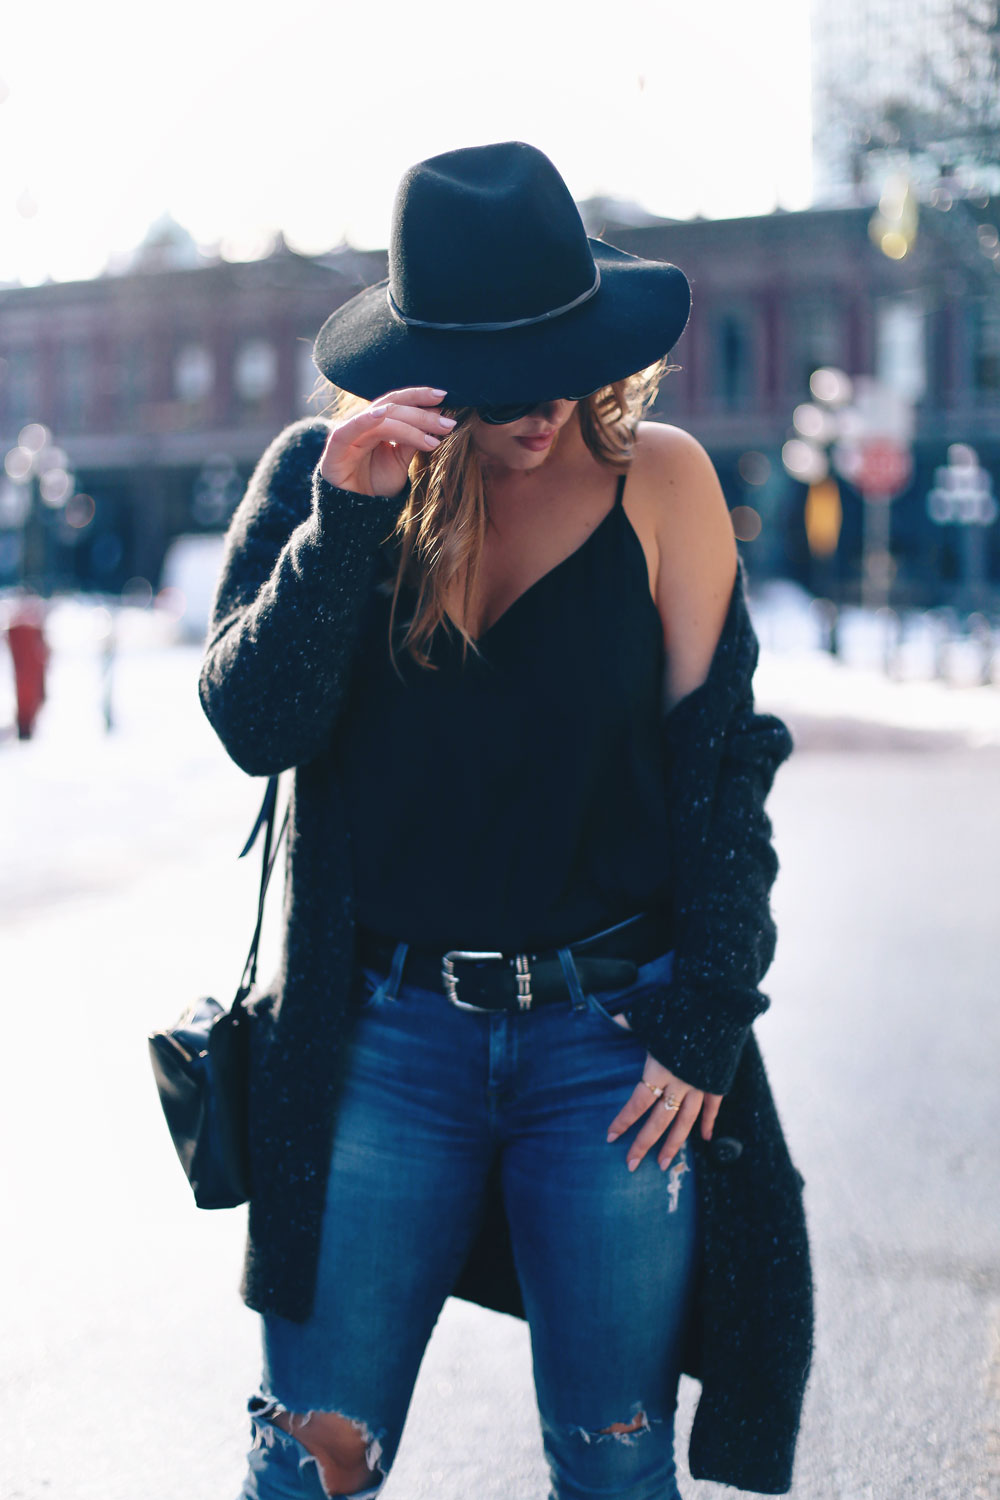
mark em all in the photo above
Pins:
pixel 441 530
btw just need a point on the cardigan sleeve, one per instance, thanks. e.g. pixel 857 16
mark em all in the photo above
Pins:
pixel 724 865
pixel 300 558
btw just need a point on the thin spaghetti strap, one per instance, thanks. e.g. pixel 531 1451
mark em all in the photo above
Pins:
pixel 619 492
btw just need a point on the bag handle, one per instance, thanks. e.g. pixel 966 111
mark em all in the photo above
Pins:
pixel 265 820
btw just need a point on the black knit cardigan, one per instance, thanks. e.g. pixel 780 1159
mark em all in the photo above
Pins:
pixel 300 559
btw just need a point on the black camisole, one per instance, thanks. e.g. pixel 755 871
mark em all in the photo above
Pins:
pixel 518 801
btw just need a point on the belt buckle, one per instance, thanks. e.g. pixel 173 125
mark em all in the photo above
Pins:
pixel 449 978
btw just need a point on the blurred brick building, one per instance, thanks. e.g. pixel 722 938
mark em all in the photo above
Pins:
pixel 164 383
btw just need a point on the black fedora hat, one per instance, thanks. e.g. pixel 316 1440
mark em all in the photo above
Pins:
pixel 496 294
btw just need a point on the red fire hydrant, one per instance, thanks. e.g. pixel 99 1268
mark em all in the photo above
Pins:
pixel 26 638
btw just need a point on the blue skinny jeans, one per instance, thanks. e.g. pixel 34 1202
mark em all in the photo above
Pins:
pixel 605 1258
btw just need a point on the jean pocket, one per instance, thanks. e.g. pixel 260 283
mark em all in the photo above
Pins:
pixel 600 1008
pixel 609 1005
pixel 370 988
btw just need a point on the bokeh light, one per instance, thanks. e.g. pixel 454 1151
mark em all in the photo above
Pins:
pixel 34 436
pixel 754 468
pixel 173 601
pixel 814 423
pixel 79 512
pixel 138 593
pixel 17 463
pixel 747 523
pixel 54 486
pixel 894 245
pixel 804 462
pixel 831 386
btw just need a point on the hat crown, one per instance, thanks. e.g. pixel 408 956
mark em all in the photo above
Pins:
pixel 487 234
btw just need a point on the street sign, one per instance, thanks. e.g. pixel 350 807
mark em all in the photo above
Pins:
pixel 884 469
pixel 963 491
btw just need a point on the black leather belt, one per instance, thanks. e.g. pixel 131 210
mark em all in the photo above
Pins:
pixel 481 981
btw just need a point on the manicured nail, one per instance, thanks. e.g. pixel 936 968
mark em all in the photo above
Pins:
pixel 447 421
pixel 613 1135
pixel 665 1164
pixel 435 392
pixel 434 442
pixel 633 1164
pixel 377 411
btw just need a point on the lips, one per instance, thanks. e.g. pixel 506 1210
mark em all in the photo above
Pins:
pixel 539 443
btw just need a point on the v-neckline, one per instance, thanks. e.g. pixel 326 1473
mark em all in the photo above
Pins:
pixel 615 505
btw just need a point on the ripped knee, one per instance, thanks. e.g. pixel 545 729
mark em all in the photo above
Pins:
pixel 623 1432
pixel 637 1424
pixel 347 1454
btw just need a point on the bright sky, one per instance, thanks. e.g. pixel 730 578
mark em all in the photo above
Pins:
pixel 242 118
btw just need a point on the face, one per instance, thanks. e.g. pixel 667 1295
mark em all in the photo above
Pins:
pixel 526 444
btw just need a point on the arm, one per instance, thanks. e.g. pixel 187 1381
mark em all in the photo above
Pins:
pixel 720 760
pixel 300 558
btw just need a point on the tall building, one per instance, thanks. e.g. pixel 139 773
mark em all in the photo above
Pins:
pixel 866 53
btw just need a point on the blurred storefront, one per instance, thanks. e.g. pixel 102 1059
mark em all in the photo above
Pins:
pixel 163 384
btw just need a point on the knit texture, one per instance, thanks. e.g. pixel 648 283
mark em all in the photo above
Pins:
pixel 721 757
pixel 300 559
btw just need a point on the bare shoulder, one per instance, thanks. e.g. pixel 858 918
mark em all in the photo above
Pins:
pixel 679 502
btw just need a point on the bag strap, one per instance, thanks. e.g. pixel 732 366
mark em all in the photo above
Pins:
pixel 265 820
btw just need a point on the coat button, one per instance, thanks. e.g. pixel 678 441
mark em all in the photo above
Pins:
pixel 727 1148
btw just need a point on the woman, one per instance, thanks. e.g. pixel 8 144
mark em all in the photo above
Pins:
pixel 497 625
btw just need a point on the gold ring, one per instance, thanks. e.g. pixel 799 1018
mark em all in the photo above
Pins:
pixel 654 1088
pixel 671 1102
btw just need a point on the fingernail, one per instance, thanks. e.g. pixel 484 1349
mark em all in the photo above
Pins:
pixel 613 1135
pixel 632 1165
pixel 377 411
pixel 664 1164
pixel 436 392
pixel 447 421
pixel 434 442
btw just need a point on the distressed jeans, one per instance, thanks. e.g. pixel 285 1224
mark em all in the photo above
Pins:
pixel 435 1097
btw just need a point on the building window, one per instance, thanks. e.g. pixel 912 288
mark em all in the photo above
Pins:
pixel 76 375
pixel 255 371
pixel 133 379
pixel 23 387
pixel 194 373
pixel 815 339
pixel 986 346
pixel 732 361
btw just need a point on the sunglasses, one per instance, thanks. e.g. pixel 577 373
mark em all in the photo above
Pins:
pixel 513 411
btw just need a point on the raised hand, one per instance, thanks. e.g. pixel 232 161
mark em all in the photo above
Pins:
pixel 370 453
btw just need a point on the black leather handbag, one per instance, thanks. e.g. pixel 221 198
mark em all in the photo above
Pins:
pixel 201 1064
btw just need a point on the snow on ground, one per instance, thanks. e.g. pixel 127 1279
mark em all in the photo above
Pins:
pixel 798 677
pixel 84 809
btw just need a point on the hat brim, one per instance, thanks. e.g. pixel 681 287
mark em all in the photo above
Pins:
pixel 636 316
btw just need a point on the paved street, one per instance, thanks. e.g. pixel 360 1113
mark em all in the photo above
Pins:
pixel 127 1355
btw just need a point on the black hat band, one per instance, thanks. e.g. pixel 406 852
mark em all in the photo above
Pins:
pixel 554 312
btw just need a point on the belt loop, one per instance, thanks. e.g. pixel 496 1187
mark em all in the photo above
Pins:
pixel 572 979
pixel 396 970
